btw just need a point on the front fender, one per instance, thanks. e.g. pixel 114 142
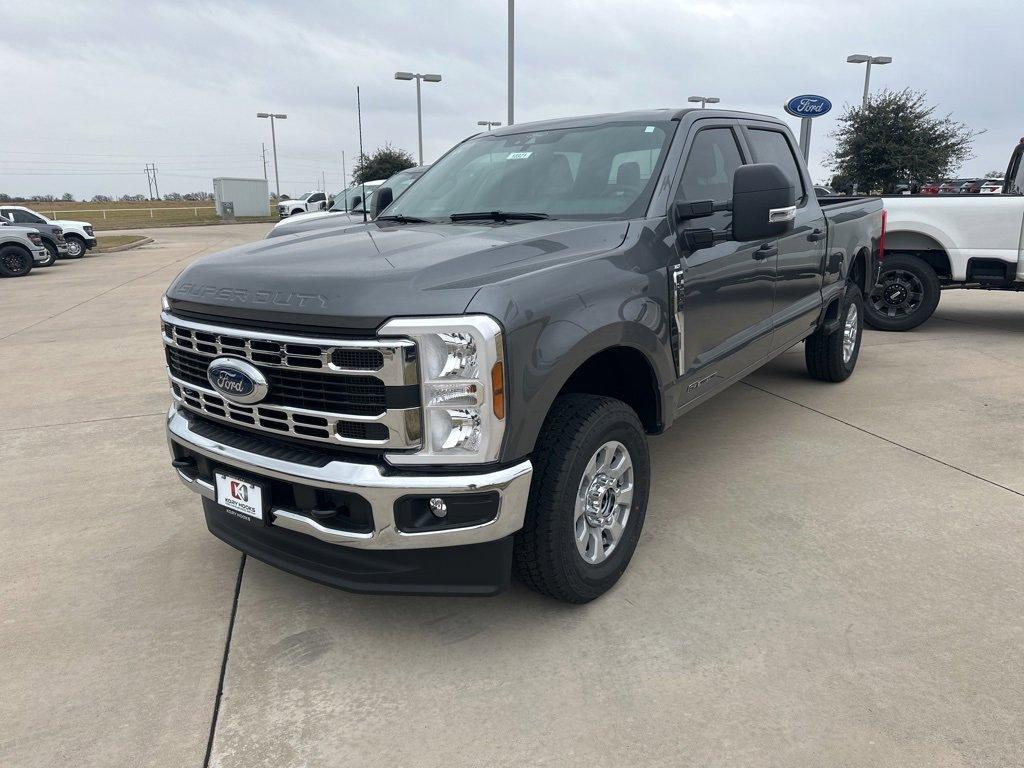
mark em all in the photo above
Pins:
pixel 613 307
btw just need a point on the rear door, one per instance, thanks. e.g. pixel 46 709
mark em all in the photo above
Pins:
pixel 724 292
pixel 801 258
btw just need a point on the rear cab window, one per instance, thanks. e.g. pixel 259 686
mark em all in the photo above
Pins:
pixel 772 146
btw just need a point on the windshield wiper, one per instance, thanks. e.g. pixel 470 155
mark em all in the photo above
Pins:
pixel 499 216
pixel 402 219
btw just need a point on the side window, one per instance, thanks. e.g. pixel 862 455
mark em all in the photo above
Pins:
pixel 7 213
pixel 713 159
pixel 772 147
pixel 24 217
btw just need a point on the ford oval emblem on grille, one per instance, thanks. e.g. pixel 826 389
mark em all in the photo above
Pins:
pixel 237 381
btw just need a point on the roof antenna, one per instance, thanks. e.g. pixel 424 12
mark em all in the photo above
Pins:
pixel 362 157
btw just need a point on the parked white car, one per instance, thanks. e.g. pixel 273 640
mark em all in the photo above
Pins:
pixel 992 187
pixel 78 234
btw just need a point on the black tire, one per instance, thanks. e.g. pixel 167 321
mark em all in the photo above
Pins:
pixel 76 247
pixel 826 353
pixel 15 261
pixel 546 557
pixel 52 254
pixel 906 294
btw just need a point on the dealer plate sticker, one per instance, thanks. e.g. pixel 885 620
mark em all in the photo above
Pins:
pixel 239 495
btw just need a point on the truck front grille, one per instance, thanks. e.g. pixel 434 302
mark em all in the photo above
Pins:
pixel 360 393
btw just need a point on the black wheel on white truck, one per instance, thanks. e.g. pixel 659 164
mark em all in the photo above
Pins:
pixel 15 261
pixel 906 294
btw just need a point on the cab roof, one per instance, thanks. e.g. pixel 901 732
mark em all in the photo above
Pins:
pixel 639 116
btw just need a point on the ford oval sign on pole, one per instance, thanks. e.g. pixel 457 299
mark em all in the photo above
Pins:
pixel 806 107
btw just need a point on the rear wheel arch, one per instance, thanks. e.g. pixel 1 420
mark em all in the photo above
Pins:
pixel 922 246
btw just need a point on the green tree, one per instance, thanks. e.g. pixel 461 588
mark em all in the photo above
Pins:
pixel 897 139
pixel 994 175
pixel 67 197
pixel 385 162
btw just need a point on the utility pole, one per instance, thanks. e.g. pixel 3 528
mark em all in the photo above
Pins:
pixel 344 172
pixel 263 147
pixel 511 60
pixel 156 186
pixel 149 182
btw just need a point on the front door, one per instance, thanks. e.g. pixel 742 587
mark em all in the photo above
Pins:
pixel 724 292
pixel 800 263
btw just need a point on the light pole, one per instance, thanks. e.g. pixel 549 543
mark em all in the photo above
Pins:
pixel 419 109
pixel 704 100
pixel 273 142
pixel 511 60
pixel 862 58
pixel 489 123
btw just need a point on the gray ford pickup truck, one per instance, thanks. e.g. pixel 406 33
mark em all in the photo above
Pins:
pixel 461 389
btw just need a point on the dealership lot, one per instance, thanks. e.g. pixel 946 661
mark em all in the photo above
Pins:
pixel 865 610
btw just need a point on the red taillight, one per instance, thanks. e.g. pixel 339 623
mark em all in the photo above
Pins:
pixel 881 239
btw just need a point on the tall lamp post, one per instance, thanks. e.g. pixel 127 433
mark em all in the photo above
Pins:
pixel 704 100
pixel 489 123
pixel 273 141
pixel 862 58
pixel 419 108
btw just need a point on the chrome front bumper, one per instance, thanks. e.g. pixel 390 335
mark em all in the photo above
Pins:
pixel 369 481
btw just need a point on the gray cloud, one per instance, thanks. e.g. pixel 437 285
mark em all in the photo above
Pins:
pixel 179 83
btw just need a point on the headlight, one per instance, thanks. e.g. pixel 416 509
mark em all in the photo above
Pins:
pixel 462 387
pixel 165 304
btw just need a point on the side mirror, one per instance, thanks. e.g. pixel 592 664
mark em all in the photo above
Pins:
pixel 763 203
pixel 381 200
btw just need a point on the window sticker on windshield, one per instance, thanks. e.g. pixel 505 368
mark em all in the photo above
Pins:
pixel 518 155
pixel 649 129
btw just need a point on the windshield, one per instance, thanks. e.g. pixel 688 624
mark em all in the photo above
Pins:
pixel 605 171
pixel 343 200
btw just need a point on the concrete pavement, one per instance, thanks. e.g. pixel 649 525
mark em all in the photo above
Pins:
pixel 829 575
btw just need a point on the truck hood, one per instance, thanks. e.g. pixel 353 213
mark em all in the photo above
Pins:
pixel 68 224
pixel 356 277
pixel 295 224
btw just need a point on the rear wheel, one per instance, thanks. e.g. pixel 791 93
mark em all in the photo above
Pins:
pixel 51 254
pixel 587 501
pixel 906 294
pixel 15 261
pixel 833 356
pixel 76 246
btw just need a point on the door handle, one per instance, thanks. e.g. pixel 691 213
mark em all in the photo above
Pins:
pixel 766 251
pixel 816 235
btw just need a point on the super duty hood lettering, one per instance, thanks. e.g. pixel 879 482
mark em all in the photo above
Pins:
pixel 247 296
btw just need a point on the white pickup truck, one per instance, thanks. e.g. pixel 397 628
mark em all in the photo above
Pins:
pixel 311 201
pixel 936 243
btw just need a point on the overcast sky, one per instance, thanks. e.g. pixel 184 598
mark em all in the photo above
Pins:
pixel 95 91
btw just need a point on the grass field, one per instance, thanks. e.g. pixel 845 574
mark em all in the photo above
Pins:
pixel 157 213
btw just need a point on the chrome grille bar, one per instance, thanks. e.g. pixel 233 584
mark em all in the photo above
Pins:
pixel 392 361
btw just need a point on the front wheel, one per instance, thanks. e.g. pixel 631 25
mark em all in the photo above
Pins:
pixel 51 254
pixel 76 247
pixel 588 499
pixel 15 261
pixel 906 294
pixel 833 356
